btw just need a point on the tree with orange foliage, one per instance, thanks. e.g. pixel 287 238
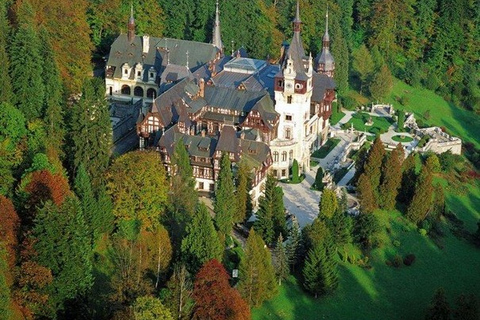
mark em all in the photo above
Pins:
pixel 214 298
pixel 9 227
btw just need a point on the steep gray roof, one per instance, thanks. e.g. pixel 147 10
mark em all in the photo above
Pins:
pixel 199 53
pixel 321 83
pixel 239 100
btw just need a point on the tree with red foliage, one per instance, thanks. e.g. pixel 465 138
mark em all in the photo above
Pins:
pixel 43 186
pixel 9 227
pixel 214 298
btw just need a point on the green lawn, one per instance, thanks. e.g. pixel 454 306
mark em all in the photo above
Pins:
pixel 337 116
pixel 326 148
pixel 458 121
pixel 385 292
pixel 380 124
pixel 402 138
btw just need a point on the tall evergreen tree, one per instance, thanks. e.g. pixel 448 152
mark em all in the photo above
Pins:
pixel 280 260
pixel 439 308
pixel 5 81
pixel 293 244
pixel 318 185
pixel 243 200
pixel 88 203
pixel 328 204
pixel 91 131
pixel 363 65
pixel 201 242
pixel 423 197
pixel 320 272
pixel 373 166
pixel 63 246
pixel 409 176
pixel 392 178
pixel 257 277
pixel 366 195
pixel 224 210
pixel 26 65
pixel 382 84
pixel 466 308
pixel 53 111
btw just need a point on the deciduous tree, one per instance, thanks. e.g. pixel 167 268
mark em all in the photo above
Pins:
pixel 179 297
pixel 9 230
pixel 363 65
pixel 150 308
pixel 328 204
pixel 214 298
pixel 382 84
pixel 5 81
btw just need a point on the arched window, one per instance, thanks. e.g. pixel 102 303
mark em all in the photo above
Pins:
pixel 151 93
pixel 291 155
pixel 275 156
pixel 284 156
pixel 126 89
pixel 138 92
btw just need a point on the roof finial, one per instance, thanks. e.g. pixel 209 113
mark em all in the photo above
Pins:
pixel 233 49
pixel 131 25
pixel 187 58
pixel 326 36
pixel 326 16
pixel 217 38
pixel 297 21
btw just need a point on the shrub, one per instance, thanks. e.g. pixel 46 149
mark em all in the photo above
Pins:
pixel 397 261
pixel 396 243
pixel 423 232
pixel 409 259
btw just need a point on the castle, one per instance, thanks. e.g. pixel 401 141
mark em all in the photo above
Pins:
pixel 267 114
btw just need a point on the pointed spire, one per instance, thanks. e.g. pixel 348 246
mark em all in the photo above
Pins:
pixel 217 38
pixel 131 25
pixel 326 36
pixel 297 22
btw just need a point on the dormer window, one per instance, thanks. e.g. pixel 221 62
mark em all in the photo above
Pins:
pixel 138 71
pixel 152 74
pixel 126 71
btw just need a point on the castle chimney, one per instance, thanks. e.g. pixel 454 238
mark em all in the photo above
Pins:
pixel 203 133
pixel 145 44
pixel 201 85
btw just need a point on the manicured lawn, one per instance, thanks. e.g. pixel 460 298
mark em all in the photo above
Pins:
pixel 336 117
pixel 402 138
pixel 385 292
pixel 326 148
pixel 458 121
pixel 380 124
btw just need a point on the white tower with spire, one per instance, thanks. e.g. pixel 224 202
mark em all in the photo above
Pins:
pixel 217 38
pixel 293 92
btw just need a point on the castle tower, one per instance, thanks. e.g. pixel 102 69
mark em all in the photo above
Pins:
pixel 324 62
pixel 293 92
pixel 131 26
pixel 217 38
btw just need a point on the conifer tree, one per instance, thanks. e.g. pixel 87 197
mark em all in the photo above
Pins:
pixel 257 277
pixel 318 185
pixel 373 165
pixel 363 65
pixel 243 206
pixel 88 203
pixel 401 120
pixel 320 272
pixel 26 65
pixel 293 244
pixel 52 112
pixel 366 228
pixel 439 308
pixel 180 299
pixel 422 199
pixel 382 84
pixel 91 131
pixel 328 204
pixel 5 81
pixel 409 176
pixel 466 308
pixel 280 260
pixel 392 178
pixel 271 213
pixel 201 242
pixel 365 194
pixel 223 207
pixel 295 176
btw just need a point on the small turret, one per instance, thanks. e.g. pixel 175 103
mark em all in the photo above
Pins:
pixel 131 26
pixel 324 62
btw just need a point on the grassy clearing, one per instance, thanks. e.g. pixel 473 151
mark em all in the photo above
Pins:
pixel 380 124
pixel 402 138
pixel 336 117
pixel 326 148
pixel 459 122
pixel 385 292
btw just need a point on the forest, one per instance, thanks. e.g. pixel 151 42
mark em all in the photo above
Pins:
pixel 85 234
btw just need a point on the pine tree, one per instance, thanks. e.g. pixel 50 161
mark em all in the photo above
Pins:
pixel 409 176
pixel 401 120
pixel 363 65
pixel 52 112
pixel 201 242
pixel 382 84
pixel 373 165
pixel 439 308
pixel 91 132
pixel 422 199
pixel 320 272
pixel 84 192
pixel 180 299
pixel 257 277
pixel 280 260
pixel 271 213
pixel 5 81
pixel 26 66
pixel 328 204
pixel 293 244
pixel 392 178
pixel 366 194
pixel 466 308
pixel 366 228
pixel 242 195
pixel 224 210
pixel 63 246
